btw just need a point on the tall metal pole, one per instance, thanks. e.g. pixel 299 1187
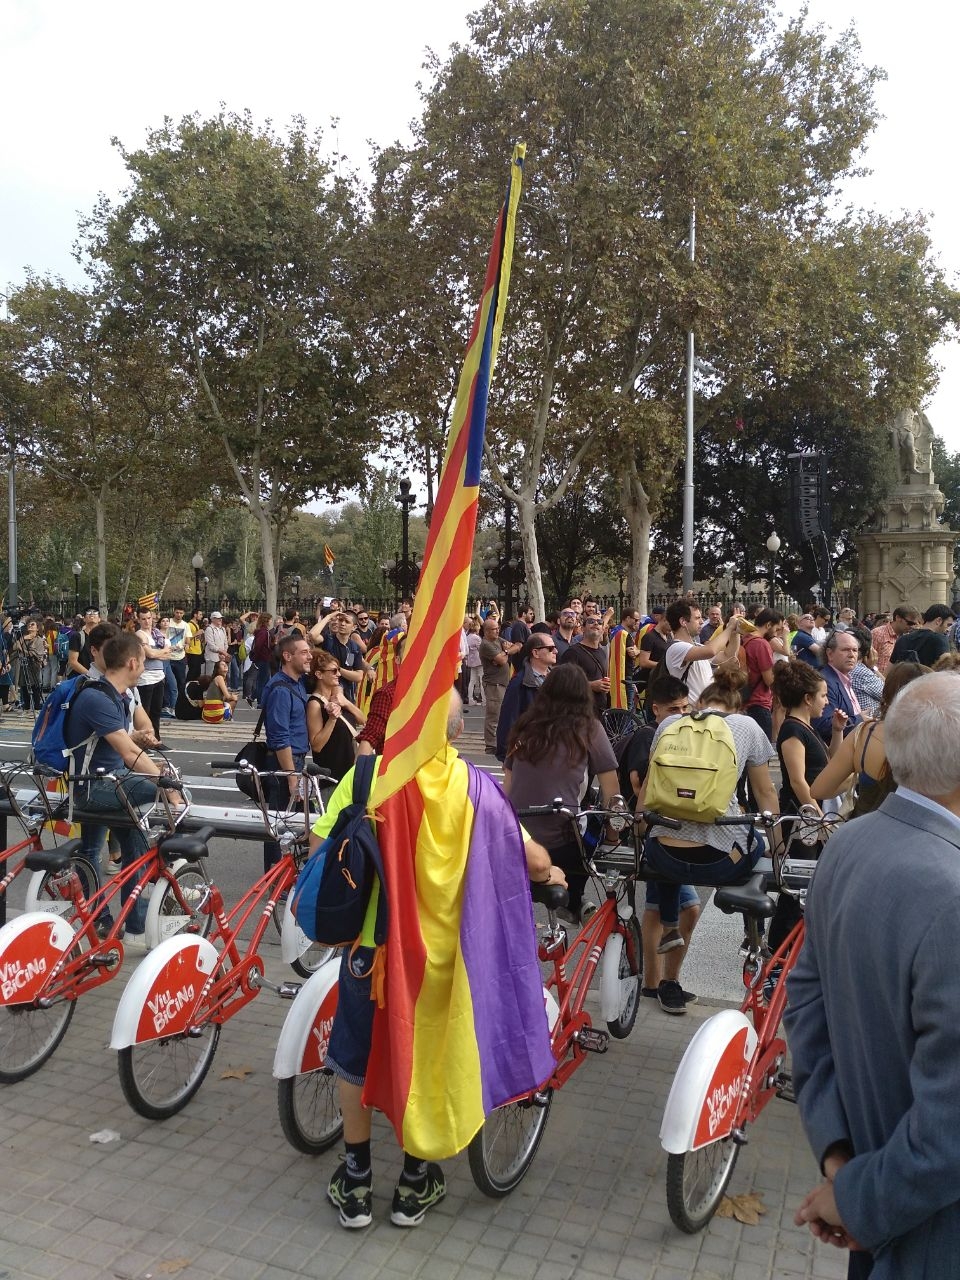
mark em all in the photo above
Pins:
pixel 13 589
pixel 688 448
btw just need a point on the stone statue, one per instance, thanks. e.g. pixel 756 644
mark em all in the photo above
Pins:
pixel 905 444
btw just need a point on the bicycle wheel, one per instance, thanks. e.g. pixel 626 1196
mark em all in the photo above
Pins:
pixel 503 1150
pixel 617 721
pixel 696 1181
pixel 160 1077
pixel 310 1111
pixel 630 974
pixel 172 919
pixel 29 1036
pixel 49 899
pixel 310 961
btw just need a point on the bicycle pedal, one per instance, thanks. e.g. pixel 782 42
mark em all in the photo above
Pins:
pixel 288 990
pixel 105 958
pixel 785 1088
pixel 593 1040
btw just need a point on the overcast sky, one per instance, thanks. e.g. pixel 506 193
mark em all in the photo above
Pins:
pixel 78 73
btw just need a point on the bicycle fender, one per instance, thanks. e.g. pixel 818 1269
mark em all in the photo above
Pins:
pixel 163 991
pixel 55 906
pixel 293 941
pixel 151 928
pixel 30 948
pixel 552 1008
pixel 706 1089
pixel 306 1029
pixel 610 977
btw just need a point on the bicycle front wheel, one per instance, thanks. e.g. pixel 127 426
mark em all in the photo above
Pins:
pixel 29 1036
pixel 160 1077
pixel 629 976
pixel 310 1111
pixel 503 1150
pixel 696 1181
pixel 173 916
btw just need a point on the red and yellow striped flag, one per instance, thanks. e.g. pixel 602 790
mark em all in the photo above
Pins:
pixel 617 667
pixel 417 725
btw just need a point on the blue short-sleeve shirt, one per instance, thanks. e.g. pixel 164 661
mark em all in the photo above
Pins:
pixel 97 708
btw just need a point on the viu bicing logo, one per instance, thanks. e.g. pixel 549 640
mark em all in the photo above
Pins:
pixel 15 975
pixel 321 1033
pixel 165 1007
pixel 720 1100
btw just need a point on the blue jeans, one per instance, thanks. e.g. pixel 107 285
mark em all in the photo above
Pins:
pixel 722 868
pixel 263 675
pixel 101 797
pixel 170 687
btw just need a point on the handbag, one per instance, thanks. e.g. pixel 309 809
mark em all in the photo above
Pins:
pixel 259 755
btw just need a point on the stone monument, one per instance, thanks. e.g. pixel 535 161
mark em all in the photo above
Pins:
pixel 908 557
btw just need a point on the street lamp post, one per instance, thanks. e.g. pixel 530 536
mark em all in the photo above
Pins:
pixel 77 570
pixel 688 445
pixel 296 589
pixel 197 563
pixel 406 500
pixel 773 546
pixel 206 584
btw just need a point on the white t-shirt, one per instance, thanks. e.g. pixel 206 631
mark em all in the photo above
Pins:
pixel 697 674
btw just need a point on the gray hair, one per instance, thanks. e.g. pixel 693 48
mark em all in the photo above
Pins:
pixel 920 734
pixel 455 716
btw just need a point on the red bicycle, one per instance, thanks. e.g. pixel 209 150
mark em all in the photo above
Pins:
pixel 735 1063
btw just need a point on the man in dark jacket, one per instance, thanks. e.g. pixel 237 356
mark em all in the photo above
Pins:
pixel 927 643
pixel 539 657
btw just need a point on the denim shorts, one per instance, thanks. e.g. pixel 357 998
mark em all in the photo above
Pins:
pixel 688 896
pixel 352 1034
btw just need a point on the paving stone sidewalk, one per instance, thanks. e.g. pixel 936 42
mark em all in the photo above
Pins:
pixel 217 1191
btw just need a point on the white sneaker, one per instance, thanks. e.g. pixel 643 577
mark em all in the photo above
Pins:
pixel 135 942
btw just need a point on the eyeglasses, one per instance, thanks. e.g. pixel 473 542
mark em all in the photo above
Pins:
pixel 546 648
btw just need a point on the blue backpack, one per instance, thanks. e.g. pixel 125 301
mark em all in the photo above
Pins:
pixel 47 742
pixel 61 646
pixel 333 889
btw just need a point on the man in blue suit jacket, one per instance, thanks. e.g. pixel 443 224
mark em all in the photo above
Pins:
pixel 873 1017
pixel 842 654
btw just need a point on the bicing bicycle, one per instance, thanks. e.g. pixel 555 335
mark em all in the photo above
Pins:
pixel 49 958
pixel 736 1061
pixel 167 1025
pixel 34 818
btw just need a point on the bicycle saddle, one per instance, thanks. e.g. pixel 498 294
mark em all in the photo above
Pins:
pixel 190 847
pixel 53 859
pixel 749 897
pixel 551 896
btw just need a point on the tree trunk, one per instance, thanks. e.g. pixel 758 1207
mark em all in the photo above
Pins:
pixel 267 557
pixel 526 511
pixel 636 509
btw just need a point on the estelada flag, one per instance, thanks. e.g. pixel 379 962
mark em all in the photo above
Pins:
pixel 463 1028
pixel 617 667
pixel 151 601
pixel 328 555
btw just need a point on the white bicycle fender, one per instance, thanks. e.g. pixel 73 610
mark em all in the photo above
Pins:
pixel 293 941
pixel 163 991
pixel 152 895
pixel 708 1083
pixel 30 947
pixel 56 906
pixel 609 978
pixel 306 1029
pixel 552 1008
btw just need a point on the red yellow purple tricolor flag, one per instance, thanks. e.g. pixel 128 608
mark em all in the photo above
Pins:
pixel 617 667
pixel 417 728
pixel 463 1027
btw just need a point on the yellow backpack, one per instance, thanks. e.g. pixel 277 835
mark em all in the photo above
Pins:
pixel 693 768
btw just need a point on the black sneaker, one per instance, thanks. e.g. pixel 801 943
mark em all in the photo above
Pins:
pixel 353 1201
pixel 653 993
pixel 411 1203
pixel 670 996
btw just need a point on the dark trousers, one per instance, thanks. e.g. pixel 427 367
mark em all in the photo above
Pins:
pixel 151 695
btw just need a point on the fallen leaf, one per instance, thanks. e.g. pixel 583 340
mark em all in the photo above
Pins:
pixel 105 1135
pixel 236 1073
pixel 172 1265
pixel 746 1208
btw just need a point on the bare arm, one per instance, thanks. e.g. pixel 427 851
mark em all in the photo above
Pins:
pixel 794 759
pixel 839 768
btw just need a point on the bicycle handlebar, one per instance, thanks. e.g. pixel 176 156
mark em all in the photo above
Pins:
pixel 309 770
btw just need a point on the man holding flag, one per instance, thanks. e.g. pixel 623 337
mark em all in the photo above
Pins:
pixel 462 1027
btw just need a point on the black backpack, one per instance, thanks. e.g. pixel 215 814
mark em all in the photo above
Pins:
pixel 333 890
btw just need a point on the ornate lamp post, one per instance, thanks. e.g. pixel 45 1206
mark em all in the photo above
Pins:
pixel 773 546
pixel 296 588
pixel 406 568
pixel 206 584
pixel 77 570
pixel 197 563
